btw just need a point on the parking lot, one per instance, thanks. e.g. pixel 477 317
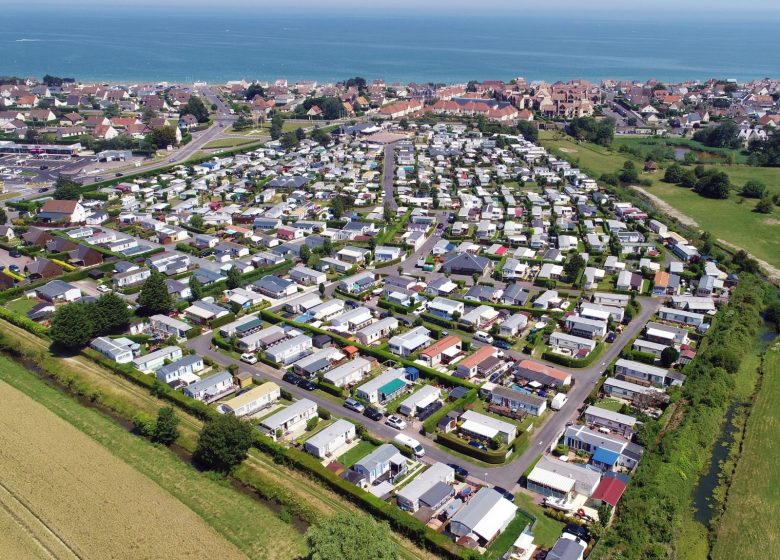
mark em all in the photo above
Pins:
pixel 7 260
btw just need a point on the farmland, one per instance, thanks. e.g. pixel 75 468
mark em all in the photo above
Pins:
pixel 132 491
pixel 750 521
pixel 732 220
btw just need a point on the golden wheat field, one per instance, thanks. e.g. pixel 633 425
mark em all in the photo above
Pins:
pixel 64 496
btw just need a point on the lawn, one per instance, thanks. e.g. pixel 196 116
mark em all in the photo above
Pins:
pixel 546 530
pixel 750 521
pixel 356 453
pixel 506 539
pixel 133 488
pixel 732 220
pixel 21 306
pixel 610 404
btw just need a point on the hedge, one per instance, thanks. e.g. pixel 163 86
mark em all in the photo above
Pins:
pixel 429 426
pixel 193 333
pixel 572 363
pixel 222 321
pixel 23 322
pixel 384 304
pixel 638 356
pixel 457 444
pixel 329 387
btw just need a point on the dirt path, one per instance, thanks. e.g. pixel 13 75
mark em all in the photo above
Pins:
pixel 772 272
pixel 666 208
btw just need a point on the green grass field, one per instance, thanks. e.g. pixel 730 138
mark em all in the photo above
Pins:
pixel 356 453
pixel 228 143
pixel 750 521
pixel 546 530
pixel 732 220
pixel 21 306
pixel 254 529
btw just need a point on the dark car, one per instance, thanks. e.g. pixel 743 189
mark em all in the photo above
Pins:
pixel 307 385
pixel 120 174
pixel 440 226
pixel 44 166
pixel 503 344
pixel 611 336
pixel 460 471
pixel 292 378
pixel 505 493
pixel 478 445
pixel 372 413
pixel 15 254
pixel 14 268
pixel 577 531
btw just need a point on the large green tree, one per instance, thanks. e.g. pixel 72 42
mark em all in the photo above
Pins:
pixel 233 278
pixel 166 429
pixel 154 297
pixel 713 184
pixel 112 314
pixel 196 108
pixel 196 287
pixel 161 137
pixel 277 122
pixel 223 443
pixel 73 325
pixel 65 189
pixel 347 536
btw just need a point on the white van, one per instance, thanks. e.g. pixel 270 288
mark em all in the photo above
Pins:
pixel 482 336
pixel 411 443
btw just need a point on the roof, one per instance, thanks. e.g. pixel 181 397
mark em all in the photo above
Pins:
pixel 605 456
pixel 610 490
pixel 610 415
pixel 60 206
pixel 486 513
pixel 380 455
pixel 254 393
pixel 392 386
pixel 330 433
pixel 280 418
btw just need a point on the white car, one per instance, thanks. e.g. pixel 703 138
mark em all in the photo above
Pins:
pixel 249 358
pixel 102 288
pixel 395 422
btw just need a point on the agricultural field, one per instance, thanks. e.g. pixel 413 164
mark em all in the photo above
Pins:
pixel 750 521
pixel 131 491
pixel 732 220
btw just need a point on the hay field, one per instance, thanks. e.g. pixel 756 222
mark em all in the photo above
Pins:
pixel 65 496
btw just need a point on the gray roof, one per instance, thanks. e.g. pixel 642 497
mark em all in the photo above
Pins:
pixel 565 549
pixel 380 455
pixel 55 288
pixel 479 506
pixel 437 494
pixel 185 361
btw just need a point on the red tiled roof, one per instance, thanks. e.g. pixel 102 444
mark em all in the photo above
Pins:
pixel 609 490
pixel 440 346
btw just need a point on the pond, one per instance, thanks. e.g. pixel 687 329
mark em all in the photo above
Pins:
pixel 679 153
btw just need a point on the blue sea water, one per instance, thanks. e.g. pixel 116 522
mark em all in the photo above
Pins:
pixel 212 45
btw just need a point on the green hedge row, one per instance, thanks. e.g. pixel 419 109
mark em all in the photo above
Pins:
pixel 24 323
pixel 329 387
pixel 222 321
pixel 429 426
pixel 572 363
pixel 384 304
pixel 487 456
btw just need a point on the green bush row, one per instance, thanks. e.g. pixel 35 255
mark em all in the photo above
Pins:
pixel 485 455
pixel 571 362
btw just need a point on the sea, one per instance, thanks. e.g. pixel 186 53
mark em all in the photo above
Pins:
pixel 214 45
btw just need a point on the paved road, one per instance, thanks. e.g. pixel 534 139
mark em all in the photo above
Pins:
pixel 389 176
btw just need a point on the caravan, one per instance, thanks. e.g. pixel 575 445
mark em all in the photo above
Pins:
pixel 411 443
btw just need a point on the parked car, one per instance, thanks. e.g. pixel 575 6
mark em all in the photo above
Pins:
pixel 503 344
pixel 291 378
pixel 307 385
pixel 354 405
pixel 373 413
pixel 102 288
pixel 249 358
pixel 14 268
pixel 15 253
pixel 460 471
pixel 505 493
pixel 611 336
pixel 478 445
pixel 396 422
pixel 482 336
pixel 43 189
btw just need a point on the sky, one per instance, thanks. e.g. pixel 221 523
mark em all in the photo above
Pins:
pixel 658 8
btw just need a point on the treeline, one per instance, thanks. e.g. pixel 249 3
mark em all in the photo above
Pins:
pixel 679 445
pixel 765 153
pixel 600 132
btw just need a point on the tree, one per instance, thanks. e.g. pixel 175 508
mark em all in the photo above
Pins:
pixel 332 108
pixel 154 297
pixel 321 288
pixel 723 135
pixel 196 287
pixel 300 134
pixel 713 184
pixel 65 189
pixel 629 173
pixel 337 207
pixel 388 214
pixel 196 108
pixel 673 173
pixel 529 130
pixel 166 430
pixel 669 356
pixel 765 206
pixel 196 221
pixel 289 141
pixel 233 278
pixel 587 128
pixel 573 267
pixel 72 326
pixel 304 253
pixel 320 136
pixel 277 122
pixel 161 137
pixel 223 443
pixel 3 216
pixel 349 536
pixel 327 246
pixel 753 189
pixel 765 153
pixel 242 123
pixel 253 90
pixel 404 124
pixel 772 314
pixel 111 314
